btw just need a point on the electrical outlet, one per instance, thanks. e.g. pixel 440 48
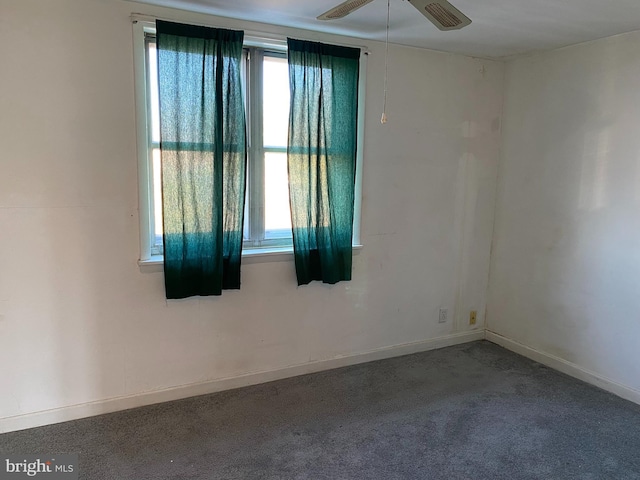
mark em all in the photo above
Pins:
pixel 472 317
pixel 443 315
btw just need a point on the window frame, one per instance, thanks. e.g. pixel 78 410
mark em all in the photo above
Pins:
pixel 265 250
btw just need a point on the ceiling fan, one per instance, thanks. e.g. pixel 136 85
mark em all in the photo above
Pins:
pixel 440 12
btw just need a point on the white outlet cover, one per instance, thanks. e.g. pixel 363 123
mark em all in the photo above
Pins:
pixel 443 315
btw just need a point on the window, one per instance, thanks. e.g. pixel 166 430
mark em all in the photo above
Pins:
pixel 267 214
pixel 267 217
pixel 153 142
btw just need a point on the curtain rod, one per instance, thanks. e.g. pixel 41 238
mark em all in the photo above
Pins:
pixel 273 37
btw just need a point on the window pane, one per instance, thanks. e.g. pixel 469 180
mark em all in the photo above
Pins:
pixel 153 93
pixel 277 214
pixel 275 101
pixel 246 231
pixel 157 197
pixel 154 140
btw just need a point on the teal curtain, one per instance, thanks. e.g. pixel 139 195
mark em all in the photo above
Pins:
pixel 321 158
pixel 203 155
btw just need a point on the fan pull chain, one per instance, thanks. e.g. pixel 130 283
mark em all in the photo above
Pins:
pixel 383 119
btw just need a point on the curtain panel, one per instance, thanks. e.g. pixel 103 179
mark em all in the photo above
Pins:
pixel 203 156
pixel 321 157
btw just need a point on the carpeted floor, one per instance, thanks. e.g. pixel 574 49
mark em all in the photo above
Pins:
pixel 473 411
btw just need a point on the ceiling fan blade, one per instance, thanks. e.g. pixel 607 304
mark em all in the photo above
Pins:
pixel 442 14
pixel 343 9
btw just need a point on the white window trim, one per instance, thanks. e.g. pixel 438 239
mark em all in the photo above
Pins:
pixel 151 263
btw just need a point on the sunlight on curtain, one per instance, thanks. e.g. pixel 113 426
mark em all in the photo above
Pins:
pixel 203 157
pixel 321 158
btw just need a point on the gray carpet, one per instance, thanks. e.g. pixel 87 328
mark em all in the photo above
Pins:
pixel 474 411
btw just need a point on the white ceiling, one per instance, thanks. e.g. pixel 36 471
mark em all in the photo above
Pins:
pixel 500 28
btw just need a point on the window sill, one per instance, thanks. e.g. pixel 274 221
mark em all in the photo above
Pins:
pixel 256 255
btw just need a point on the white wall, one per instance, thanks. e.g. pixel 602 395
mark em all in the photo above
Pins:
pixel 79 321
pixel 566 258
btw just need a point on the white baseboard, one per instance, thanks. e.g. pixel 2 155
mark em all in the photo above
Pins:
pixel 74 412
pixel 564 366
